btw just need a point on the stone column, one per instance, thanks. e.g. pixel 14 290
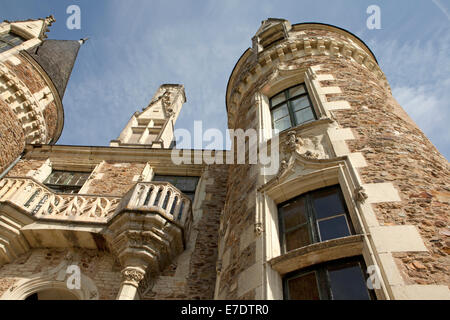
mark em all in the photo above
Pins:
pixel 131 277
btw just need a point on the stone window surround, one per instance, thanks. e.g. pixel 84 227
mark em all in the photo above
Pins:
pixel 336 172
pixel 43 172
pixel 284 78
pixel 30 40
pixel 323 282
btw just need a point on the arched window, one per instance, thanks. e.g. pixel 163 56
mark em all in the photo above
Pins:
pixel 52 294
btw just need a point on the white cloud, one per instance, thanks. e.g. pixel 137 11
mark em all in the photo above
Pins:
pixel 418 70
pixel 427 110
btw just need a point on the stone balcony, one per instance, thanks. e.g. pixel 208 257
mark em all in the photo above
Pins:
pixel 146 229
pixel 40 202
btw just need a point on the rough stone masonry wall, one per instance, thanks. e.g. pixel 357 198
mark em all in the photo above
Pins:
pixel 193 274
pixel 115 178
pixel 99 266
pixel 24 166
pixel 12 138
pixel 397 151
pixel 238 218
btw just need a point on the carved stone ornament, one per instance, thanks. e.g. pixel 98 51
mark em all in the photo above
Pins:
pixel 132 276
pixel 259 228
pixel 219 267
pixel 293 142
pixel 311 155
pixel 283 168
pixel 297 144
pixel 360 194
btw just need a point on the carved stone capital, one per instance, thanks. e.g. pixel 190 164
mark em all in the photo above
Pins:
pixel 133 276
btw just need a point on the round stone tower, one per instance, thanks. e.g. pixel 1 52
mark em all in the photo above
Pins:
pixel 33 77
pixel 360 197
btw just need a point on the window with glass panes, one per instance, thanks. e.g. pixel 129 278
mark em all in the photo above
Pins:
pixel 185 184
pixel 291 108
pixel 343 279
pixel 66 181
pixel 9 40
pixel 314 217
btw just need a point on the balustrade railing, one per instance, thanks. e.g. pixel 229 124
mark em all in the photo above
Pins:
pixel 164 198
pixel 42 202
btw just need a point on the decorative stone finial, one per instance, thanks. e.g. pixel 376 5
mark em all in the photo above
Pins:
pixel 82 41
pixel 49 20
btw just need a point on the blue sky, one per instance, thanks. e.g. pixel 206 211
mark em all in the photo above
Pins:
pixel 136 45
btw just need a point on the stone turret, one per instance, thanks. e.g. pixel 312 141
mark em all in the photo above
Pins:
pixel 339 127
pixel 33 77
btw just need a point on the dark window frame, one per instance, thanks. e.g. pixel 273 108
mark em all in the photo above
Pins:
pixel 323 277
pixel 188 193
pixel 312 222
pixel 288 101
pixel 66 186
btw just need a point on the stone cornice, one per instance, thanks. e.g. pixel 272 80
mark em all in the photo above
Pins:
pixel 318 253
pixel 251 67
pixel 159 159
pixel 28 108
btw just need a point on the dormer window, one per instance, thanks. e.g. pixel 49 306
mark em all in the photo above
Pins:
pixel 9 41
pixel 291 107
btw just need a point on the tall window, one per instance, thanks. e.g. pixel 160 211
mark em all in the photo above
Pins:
pixel 336 280
pixel 187 185
pixel 9 40
pixel 66 181
pixel 291 108
pixel 314 217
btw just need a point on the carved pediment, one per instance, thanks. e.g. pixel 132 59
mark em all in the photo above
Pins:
pixel 300 156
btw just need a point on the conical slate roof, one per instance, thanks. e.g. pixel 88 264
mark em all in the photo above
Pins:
pixel 57 58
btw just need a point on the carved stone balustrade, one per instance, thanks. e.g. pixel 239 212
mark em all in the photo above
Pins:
pixel 146 229
pixel 163 198
pixel 43 203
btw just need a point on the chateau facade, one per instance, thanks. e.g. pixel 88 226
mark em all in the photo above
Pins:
pixel 358 208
